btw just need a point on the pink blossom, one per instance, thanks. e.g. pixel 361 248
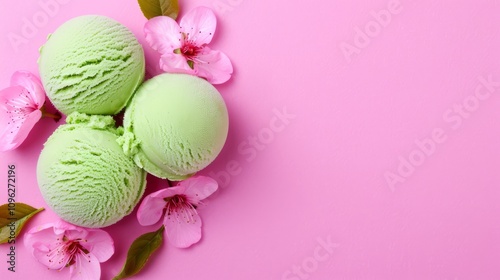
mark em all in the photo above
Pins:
pixel 182 222
pixel 20 109
pixel 59 245
pixel 183 47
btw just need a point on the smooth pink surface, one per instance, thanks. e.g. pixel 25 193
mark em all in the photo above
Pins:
pixel 319 177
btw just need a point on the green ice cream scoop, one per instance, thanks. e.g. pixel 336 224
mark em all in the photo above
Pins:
pixel 175 125
pixel 91 64
pixel 85 177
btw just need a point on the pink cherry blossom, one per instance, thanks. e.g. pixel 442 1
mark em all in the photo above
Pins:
pixel 183 47
pixel 60 245
pixel 21 107
pixel 182 222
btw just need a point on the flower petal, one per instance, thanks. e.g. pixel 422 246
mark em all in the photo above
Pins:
pixel 215 66
pixel 13 100
pixel 199 25
pixel 86 267
pixel 7 136
pixel 169 192
pixel 43 234
pixel 26 127
pixel 51 257
pixel 16 96
pixel 199 188
pixel 163 34
pixel 32 84
pixel 77 233
pixel 61 227
pixel 150 210
pixel 100 244
pixel 46 242
pixel 17 116
pixel 183 227
pixel 175 63
pixel 8 126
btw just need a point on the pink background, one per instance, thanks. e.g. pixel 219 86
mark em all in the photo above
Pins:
pixel 288 186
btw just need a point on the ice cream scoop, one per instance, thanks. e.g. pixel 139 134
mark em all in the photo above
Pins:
pixel 175 125
pixel 85 177
pixel 91 64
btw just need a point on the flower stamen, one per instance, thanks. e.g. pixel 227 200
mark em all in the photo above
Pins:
pixel 179 204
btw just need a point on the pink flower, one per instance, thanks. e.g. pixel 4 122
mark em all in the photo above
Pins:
pixel 182 222
pixel 63 245
pixel 183 47
pixel 20 109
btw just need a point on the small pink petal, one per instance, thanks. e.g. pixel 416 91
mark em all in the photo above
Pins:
pixel 26 127
pixel 150 210
pixel 7 131
pixel 18 115
pixel 78 233
pixel 215 66
pixel 163 34
pixel 8 134
pixel 169 192
pixel 32 84
pixel 49 257
pixel 53 246
pixel 46 243
pixel 183 227
pixel 199 25
pixel 43 234
pixel 16 102
pixel 61 226
pixel 86 267
pixel 16 93
pixel 199 188
pixel 175 63
pixel 100 244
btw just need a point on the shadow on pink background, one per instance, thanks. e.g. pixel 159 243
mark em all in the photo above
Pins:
pixel 364 141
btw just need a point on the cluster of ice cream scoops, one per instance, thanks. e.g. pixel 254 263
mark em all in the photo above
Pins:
pixel 93 173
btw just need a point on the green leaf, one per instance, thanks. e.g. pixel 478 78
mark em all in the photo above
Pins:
pixel 14 217
pixel 154 8
pixel 139 252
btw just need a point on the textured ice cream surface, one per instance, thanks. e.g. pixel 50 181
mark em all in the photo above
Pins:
pixel 85 177
pixel 91 64
pixel 175 125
